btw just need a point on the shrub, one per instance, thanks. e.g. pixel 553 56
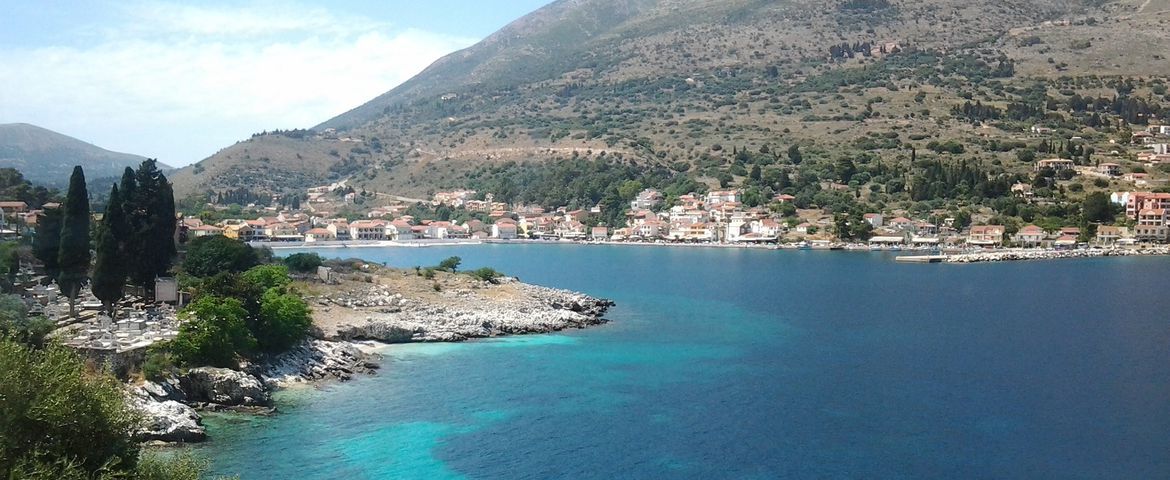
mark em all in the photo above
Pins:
pixel 17 325
pixel 450 264
pixel 159 364
pixel 486 274
pixel 303 262
pixel 267 276
pixel 283 322
pixel 56 418
pixel 210 255
pixel 214 333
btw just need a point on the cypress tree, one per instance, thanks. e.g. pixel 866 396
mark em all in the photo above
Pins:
pixel 151 216
pixel 47 243
pixel 73 257
pixel 109 275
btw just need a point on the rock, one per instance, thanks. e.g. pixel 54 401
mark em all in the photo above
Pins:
pixel 225 387
pixel 166 421
pixel 315 360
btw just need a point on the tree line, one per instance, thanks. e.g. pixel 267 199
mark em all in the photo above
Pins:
pixel 135 241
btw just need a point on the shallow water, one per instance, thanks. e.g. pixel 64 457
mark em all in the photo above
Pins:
pixel 756 364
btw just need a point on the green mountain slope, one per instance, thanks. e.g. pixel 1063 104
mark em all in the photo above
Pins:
pixel 46 157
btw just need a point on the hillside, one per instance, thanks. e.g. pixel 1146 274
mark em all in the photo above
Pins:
pixel 46 157
pixel 682 87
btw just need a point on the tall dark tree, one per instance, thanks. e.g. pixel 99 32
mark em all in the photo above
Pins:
pixel 109 274
pixel 150 214
pixel 74 255
pixel 47 243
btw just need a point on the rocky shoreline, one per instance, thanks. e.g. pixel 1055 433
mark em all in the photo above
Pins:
pixel 349 320
pixel 1033 254
pixel 388 317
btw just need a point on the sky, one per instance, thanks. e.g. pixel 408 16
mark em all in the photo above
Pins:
pixel 178 81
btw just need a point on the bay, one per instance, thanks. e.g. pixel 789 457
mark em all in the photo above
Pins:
pixel 727 363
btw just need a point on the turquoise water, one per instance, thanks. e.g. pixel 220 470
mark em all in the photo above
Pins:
pixel 757 364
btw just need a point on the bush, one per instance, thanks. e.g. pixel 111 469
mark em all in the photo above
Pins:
pixel 55 418
pixel 450 264
pixel 283 322
pixel 267 276
pixel 429 273
pixel 17 325
pixel 159 364
pixel 303 262
pixel 207 256
pixel 486 274
pixel 214 334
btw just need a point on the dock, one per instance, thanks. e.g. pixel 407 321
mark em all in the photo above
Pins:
pixel 921 258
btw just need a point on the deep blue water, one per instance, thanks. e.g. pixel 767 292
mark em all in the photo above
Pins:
pixel 757 364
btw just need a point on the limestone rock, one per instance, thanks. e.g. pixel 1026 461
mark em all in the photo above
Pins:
pixel 225 387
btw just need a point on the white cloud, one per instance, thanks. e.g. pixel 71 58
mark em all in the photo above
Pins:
pixel 178 82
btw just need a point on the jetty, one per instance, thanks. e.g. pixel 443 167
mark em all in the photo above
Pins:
pixel 920 258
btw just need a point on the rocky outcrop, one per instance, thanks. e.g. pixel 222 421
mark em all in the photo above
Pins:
pixel 221 386
pixel 164 419
pixel 534 309
pixel 1040 254
pixel 316 360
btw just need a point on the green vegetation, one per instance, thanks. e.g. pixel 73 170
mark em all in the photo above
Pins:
pixel 207 256
pixel 147 242
pixel 109 273
pixel 16 324
pixel 303 262
pixel 450 264
pixel 59 421
pixel 74 255
pixel 486 274
pixel 238 315
pixel 214 334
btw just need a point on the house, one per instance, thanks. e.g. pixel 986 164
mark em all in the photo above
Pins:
pixel 1109 235
pixel 926 229
pixel 283 232
pixel 803 228
pixel 1031 236
pixel 723 196
pixel 504 229
pixel 12 207
pixel 318 235
pixel 986 235
pixel 599 233
pixel 784 198
pixel 1111 169
pixel 399 230
pixel 1141 138
pixel 1138 201
pixel 874 219
pixel 204 231
pixel 367 230
pixel 1151 225
pixel 700 232
pixel 902 223
pixel 646 200
pixel 649 230
pixel 767 228
pixel 1074 231
pixel 1022 190
pixel 1066 242
pixel 1041 130
pixel 339 229
pixel 1056 164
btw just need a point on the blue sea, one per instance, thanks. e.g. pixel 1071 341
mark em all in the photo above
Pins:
pixel 752 364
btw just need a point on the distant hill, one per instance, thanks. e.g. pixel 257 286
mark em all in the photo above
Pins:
pixel 47 158
pixel 686 84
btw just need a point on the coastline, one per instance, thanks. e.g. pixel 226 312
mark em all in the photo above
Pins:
pixel 353 323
